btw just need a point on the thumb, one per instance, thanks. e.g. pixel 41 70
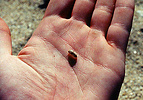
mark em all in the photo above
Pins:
pixel 5 39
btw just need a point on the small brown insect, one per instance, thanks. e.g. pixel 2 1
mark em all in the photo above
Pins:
pixel 72 58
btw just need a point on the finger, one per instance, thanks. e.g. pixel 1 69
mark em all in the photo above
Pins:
pixel 62 8
pixel 102 15
pixel 120 27
pixel 5 38
pixel 83 10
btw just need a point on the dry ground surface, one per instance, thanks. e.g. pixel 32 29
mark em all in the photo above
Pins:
pixel 23 16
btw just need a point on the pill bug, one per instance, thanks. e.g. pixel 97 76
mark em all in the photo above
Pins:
pixel 72 58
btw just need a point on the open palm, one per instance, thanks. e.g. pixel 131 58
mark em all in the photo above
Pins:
pixel 98 34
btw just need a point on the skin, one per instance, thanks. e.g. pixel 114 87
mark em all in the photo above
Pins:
pixel 41 70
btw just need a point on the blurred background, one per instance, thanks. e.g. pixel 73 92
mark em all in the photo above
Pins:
pixel 23 16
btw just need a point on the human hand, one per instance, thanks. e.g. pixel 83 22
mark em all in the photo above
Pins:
pixel 98 34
